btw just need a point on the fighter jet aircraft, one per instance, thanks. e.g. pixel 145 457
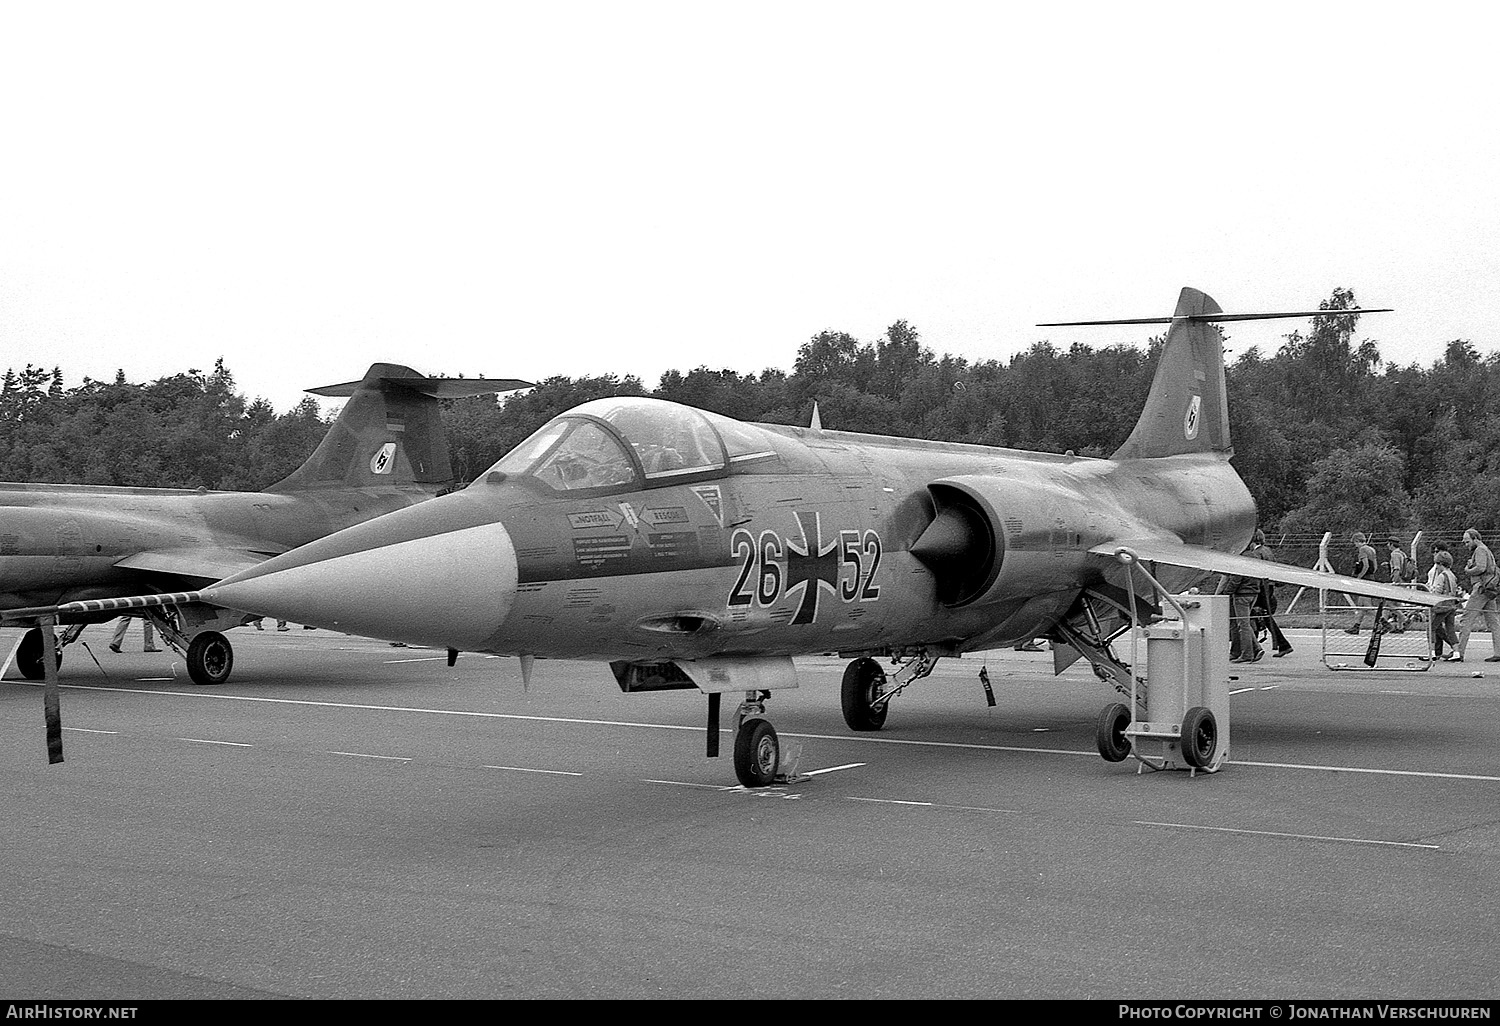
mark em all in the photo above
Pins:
pixel 60 543
pixel 689 550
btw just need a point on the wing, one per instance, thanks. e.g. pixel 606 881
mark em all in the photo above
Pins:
pixel 1196 557
pixel 199 562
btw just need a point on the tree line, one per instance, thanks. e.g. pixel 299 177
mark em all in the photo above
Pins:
pixel 1327 435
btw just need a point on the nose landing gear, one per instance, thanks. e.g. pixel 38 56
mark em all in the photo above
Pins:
pixel 760 759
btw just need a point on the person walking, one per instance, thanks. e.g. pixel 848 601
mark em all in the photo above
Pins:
pixel 1398 562
pixel 1267 600
pixel 1364 566
pixel 148 639
pixel 1484 597
pixel 1440 581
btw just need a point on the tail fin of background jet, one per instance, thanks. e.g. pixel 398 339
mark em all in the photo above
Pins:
pixel 389 433
pixel 1186 410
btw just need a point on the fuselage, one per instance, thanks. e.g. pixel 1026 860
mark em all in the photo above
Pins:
pixel 794 541
pixel 809 553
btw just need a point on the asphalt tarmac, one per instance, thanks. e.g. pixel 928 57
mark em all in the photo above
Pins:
pixel 346 819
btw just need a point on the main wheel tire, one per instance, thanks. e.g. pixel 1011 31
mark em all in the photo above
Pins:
pixel 863 682
pixel 757 753
pixel 210 657
pixel 29 655
pixel 1200 737
pixel 1114 746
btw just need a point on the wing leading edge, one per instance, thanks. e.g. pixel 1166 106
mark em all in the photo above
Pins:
pixel 1196 557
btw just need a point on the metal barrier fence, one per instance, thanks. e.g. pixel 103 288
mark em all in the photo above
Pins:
pixel 1392 635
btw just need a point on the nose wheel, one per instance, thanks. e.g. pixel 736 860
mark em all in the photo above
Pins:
pixel 760 760
pixel 757 753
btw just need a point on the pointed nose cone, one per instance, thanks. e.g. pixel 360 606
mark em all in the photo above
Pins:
pixel 451 589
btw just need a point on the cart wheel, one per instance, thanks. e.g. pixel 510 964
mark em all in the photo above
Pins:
pixel 1200 737
pixel 1114 746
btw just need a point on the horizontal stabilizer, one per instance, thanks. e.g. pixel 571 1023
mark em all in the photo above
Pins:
pixel 1196 557
pixel 435 388
pixel 1215 318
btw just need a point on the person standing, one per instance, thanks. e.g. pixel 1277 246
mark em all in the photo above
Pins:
pixel 1364 567
pixel 1440 581
pixel 1484 597
pixel 1243 593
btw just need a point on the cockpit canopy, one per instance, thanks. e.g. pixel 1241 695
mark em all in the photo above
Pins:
pixel 619 443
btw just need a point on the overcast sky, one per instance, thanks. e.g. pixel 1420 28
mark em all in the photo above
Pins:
pixel 530 189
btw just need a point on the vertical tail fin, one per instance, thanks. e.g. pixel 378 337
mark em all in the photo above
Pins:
pixel 389 433
pixel 1186 409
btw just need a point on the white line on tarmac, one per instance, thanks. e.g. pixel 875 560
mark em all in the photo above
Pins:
pixel 86 730
pixel 937 805
pixel 691 783
pixel 206 741
pixel 844 738
pixel 1366 769
pixel 1293 837
pixel 833 769
pixel 366 755
pixel 424 659
pixel 525 769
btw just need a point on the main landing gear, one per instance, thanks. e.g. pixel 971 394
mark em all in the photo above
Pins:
pixel 209 655
pixel 29 655
pixel 867 690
